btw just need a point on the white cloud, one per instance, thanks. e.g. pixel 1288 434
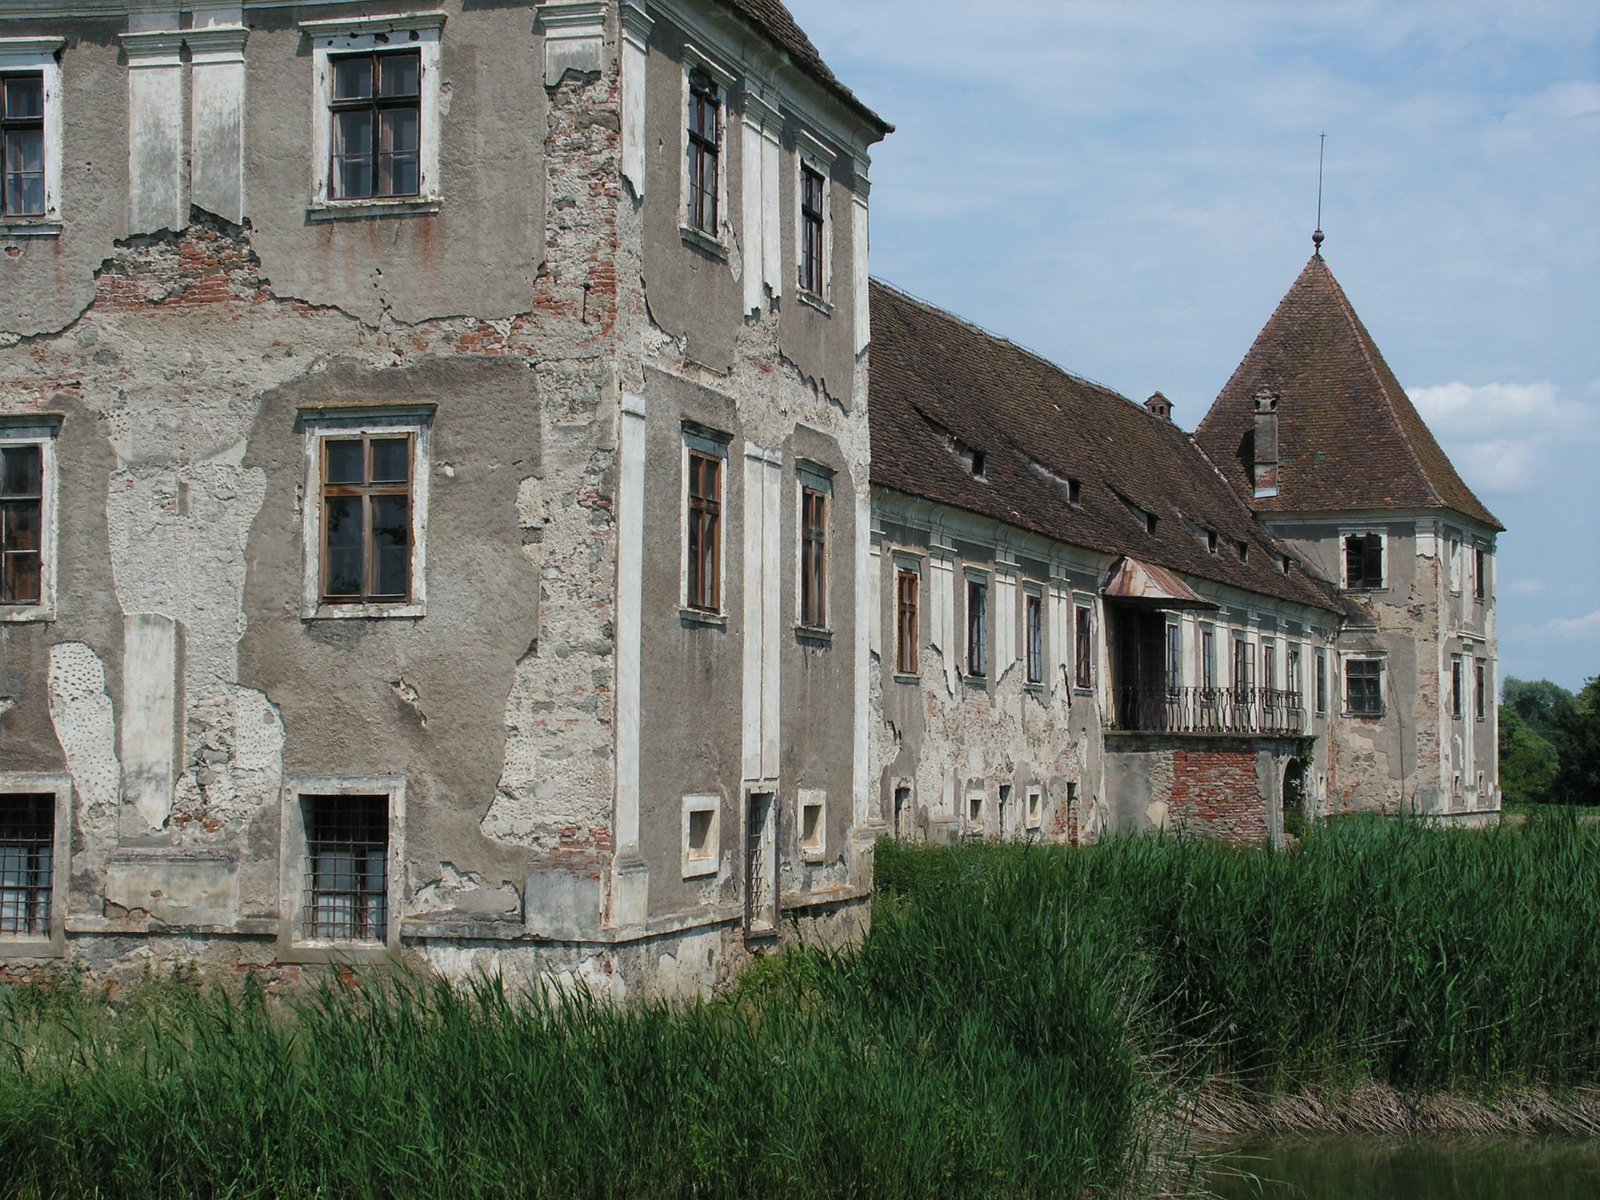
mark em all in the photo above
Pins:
pixel 1502 435
pixel 1527 587
pixel 1577 627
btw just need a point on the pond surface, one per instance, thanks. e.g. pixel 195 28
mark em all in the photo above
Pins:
pixel 1338 1167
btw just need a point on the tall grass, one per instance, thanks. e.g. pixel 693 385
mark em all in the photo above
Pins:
pixel 1005 1030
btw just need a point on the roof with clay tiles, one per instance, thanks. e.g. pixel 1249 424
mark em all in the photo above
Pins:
pixel 772 18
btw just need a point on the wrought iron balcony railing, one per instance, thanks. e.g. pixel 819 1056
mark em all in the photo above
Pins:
pixel 1209 710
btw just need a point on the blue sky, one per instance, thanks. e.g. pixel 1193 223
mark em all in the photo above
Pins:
pixel 1129 188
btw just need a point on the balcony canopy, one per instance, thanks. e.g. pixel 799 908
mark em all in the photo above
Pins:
pixel 1144 585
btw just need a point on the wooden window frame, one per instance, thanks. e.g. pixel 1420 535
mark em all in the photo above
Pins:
pixel 1322 682
pixel 908 600
pixel 1083 646
pixel 977 628
pixel 1174 655
pixel 703 509
pixel 813 229
pixel 367 491
pixel 1374 550
pixel 1369 668
pixel 35 432
pixel 1480 573
pixel 1033 636
pixel 814 512
pixel 703 153
pixel 1208 656
pixel 1458 682
pixel 22 507
pixel 1480 689
pixel 377 104
pixel 14 126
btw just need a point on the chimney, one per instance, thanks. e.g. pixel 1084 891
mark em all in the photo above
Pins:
pixel 1160 406
pixel 1265 470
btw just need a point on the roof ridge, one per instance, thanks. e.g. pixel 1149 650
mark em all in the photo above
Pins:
pixel 1365 344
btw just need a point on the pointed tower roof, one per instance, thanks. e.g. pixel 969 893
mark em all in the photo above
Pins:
pixel 1348 436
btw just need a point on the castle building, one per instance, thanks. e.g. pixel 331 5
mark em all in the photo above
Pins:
pixel 463 498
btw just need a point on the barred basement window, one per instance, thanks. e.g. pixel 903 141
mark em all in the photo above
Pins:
pixel 366 527
pixel 22 145
pixel 1363 687
pixel 906 587
pixel 705 150
pixel 813 558
pixel 705 532
pixel 347 868
pixel 21 523
pixel 1033 625
pixel 376 110
pixel 811 230
pixel 1363 561
pixel 27 853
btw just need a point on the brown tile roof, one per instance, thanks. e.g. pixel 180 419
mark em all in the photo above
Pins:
pixel 942 389
pixel 1348 436
pixel 773 19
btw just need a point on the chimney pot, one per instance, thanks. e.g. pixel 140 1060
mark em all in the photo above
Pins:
pixel 1265 467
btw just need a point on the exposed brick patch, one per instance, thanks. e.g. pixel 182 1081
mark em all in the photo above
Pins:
pixel 1216 792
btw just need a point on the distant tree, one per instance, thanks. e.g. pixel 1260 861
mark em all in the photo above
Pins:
pixel 1529 764
pixel 1578 781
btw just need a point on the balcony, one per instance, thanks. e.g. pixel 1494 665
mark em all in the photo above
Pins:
pixel 1209 710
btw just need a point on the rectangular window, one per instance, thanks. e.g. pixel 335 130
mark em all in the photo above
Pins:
pixel 22 146
pixel 1456 683
pixel 375 136
pixel 1455 564
pixel 1363 561
pixel 813 558
pixel 1322 681
pixel 1269 663
pixel 705 150
pixel 902 813
pixel 1174 657
pixel 1480 689
pixel 1243 667
pixel 1035 815
pixel 1480 573
pixel 1208 657
pixel 906 636
pixel 1363 679
pixel 347 868
pixel 974 813
pixel 27 863
pixel 22 523
pixel 1033 630
pixel 977 627
pixel 811 229
pixel 1083 646
pixel 1291 681
pixel 366 518
pixel 705 531
pixel 702 835
pixel 813 824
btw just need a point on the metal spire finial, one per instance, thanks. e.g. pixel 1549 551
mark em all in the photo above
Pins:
pixel 1316 237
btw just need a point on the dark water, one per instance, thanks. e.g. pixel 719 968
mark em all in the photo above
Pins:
pixel 1416 1168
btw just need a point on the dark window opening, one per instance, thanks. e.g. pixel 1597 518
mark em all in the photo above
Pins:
pixel 1211 540
pixel 813 558
pixel 1033 623
pixel 1480 574
pixel 1244 551
pixel 1455 688
pixel 347 868
pixel 1244 668
pixel 1322 682
pixel 27 853
pixel 1174 658
pixel 705 531
pixel 1363 561
pixel 1074 491
pixel 1363 679
pixel 977 628
pixel 1208 658
pixel 21 522
pixel 705 149
pixel 1083 647
pixel 376 112
pixel 906 621
pixel 811 230
pixel 22 144
pixel 1480 690
pixel 366 519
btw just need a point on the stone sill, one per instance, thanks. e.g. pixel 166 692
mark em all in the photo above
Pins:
pixel 14 614
pixel 695 616
pixel 244 927
pixel 339 210
pixel 702 240
pixel 811 300
pixel 908 679
pixel 815 634
pixel 335 612
pixel 22 229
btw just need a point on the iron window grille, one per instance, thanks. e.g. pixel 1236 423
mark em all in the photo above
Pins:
pixel 347 868
pixel 811 230
pixel 705 150
pixel 906 584
pixel 21 520
pixel 1083 647
pixel 1033 621
pixel 27 854
pixel 376 112
pixel 977 628
pixel 1364 687
pixel 366 519
pixel 22 144
pixel 705 531
pixel 1363 562
pixel 813 558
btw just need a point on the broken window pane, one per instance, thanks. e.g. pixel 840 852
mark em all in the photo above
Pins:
pixel 1363 559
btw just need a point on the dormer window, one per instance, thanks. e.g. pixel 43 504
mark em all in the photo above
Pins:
pixel 1211 540
pixel 1244 552
pixel 1285 564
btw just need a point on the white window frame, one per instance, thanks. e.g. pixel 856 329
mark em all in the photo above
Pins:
pixel 322 423
pixel 710 863
pixel 820 157
pixel 716 243
pixel 52 944
pixel 1344 558
pixel 39 429
pixel 331 38
pixel 817 478
pixel 293 944
pixel 1033 814
pixel 710 442
pixel 21 55
pixel 815 849
pixel 1382 659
